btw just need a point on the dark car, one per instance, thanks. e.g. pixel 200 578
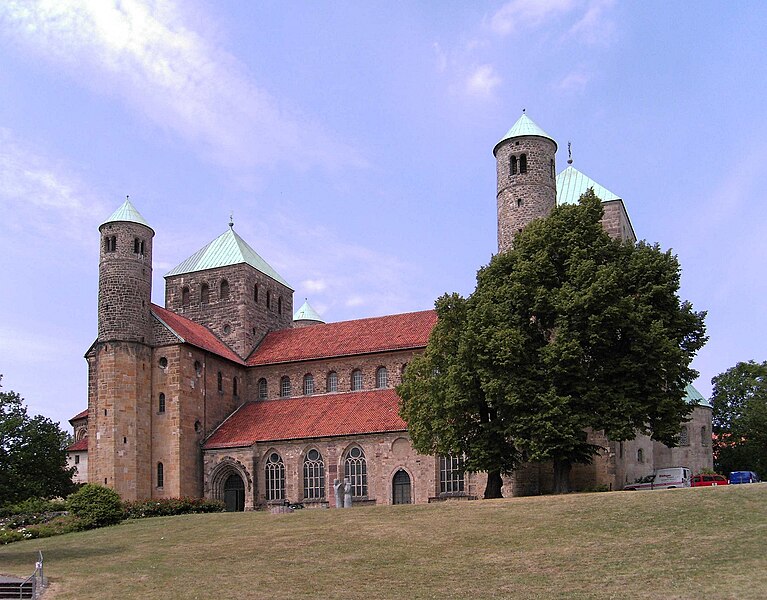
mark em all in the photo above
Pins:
pixel 706 479
pixel 743 477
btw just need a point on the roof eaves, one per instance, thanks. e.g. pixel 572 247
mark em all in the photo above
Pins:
pixel 327 356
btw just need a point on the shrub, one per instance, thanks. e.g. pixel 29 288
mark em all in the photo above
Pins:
pixel 95 506
pixel 33 506
pixel 8 535
pixel 141 509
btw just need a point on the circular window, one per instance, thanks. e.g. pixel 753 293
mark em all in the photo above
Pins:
pixel 355 452
pixel 227 329
pixel 163 362
pixel 274 457
pixel 313 455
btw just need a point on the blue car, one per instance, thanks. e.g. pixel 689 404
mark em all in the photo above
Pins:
pixel 743 477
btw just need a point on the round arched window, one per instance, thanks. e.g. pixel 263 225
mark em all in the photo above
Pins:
pixel 163 362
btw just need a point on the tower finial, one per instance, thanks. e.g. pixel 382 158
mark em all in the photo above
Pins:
pixel 523 111
pixel 569 154
pixel 231 220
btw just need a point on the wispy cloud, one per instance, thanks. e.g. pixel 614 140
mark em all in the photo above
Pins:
pixel 574 82
pixel 483 81
pixel 595 26
pixel 144 54
pixel 517 15
pixel 41 193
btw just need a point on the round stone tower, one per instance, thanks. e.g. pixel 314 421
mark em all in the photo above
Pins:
pixel 527 178
pixel 125 277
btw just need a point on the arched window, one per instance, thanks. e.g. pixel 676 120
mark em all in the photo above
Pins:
pixel 263 391
pixel 640 455
pixel 285 391
pixel 704 437
pixel 223 293
pixel 450 474
pixel 382 378
pixel 551 168
pixel 314 475
pixel 279 305
pixel 275 477
pixel 523 163
pixel 404 367
pixel 235 391
pixel 161 403
pixel 356 380
pixel 220 381
pixel 160 475
pixel 184 296
pixel 255 293
pixel 308 384
pixel 356 469
pixel 204 293
pixel 136 246
pixel 110 243
pixel 268 299
pixel 331 385
pixel 513 165
pixel 198 368
pixel 684 436
pixel 519 202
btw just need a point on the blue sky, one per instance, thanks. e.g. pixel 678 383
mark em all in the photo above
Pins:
pixel 353 143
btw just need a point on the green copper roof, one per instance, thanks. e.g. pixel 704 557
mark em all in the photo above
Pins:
pixel 693 396
pixel 307 313
pixel 524 126
pixel 127 212
pixel 571 184
pixel 227 249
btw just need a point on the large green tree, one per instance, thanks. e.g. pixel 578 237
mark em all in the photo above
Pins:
pixel 740 418
pixel 569 330
pixel 32 453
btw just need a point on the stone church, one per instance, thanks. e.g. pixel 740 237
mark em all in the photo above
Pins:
pixel 226 392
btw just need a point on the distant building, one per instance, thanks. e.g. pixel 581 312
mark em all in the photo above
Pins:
pixel 226 393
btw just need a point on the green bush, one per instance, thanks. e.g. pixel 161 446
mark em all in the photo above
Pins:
pixel 9 535
pixel 95 506
pixel 32 506
pixel 162 507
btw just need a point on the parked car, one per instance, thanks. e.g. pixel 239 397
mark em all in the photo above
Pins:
pixel 743 477
pixel 708 479
pixel 662 479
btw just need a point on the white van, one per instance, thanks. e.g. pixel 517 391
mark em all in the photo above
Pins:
pixel 663 479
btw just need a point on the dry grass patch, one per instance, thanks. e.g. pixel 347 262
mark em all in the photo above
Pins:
pixel 703 542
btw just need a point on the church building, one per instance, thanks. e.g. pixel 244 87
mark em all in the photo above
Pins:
pixel 227 392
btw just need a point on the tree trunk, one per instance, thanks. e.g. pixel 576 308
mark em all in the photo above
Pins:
pixel 562 476
pixel 494 483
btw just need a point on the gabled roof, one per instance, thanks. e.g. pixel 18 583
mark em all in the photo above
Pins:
pixel 307 313
pixel 362 336
pixel 351 413
pixel 523 127
pixel 80 415
pixel 189 332
pixel 572 184
pixel 227 249
pixel 127 212
pixel 693 396
pixel 78 446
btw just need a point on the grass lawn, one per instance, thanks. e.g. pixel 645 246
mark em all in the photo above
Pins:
pixel 692 543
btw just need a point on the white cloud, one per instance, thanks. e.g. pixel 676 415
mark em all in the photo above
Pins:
pixel 520 14
pixel 143 53
pixel 574 82
pixel 483 81
pixel 595 27
pixel 39 193
pixel 314 285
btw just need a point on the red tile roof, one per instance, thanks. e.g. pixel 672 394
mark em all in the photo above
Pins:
pixel 79 446
pixel 362 336
pixel 80 415
pixel 350 413
pixel 195 334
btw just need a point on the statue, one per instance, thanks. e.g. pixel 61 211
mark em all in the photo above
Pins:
pixel 337 488
pixel 347 493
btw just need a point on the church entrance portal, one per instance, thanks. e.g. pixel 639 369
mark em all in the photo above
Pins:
pixel 401 488
pixel 234 493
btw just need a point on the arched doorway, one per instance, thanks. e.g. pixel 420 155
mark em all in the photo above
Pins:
pixel 234 493
pixel 401 488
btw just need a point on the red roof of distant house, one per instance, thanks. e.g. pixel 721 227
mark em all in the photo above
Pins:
pixel 80 415
pixel 195 334
pixel 362 336
pixel 350 413
pixel 79 446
